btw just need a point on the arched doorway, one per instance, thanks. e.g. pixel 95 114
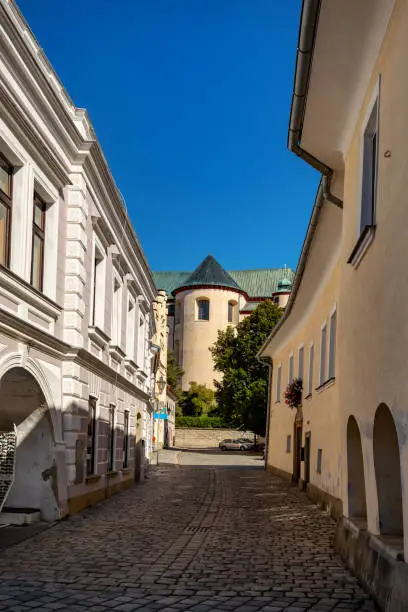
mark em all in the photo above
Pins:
pixel 387 472
pixel 22 403
pixel 357 507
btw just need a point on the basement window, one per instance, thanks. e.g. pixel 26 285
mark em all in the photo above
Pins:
pixel 319 461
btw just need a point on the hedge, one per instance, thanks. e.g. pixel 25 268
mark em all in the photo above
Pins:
pixel 206 422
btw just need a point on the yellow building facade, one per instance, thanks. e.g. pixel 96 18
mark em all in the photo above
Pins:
pixel 347 442
pixel 209 299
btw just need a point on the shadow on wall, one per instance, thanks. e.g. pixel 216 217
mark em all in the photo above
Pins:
pixel 104 456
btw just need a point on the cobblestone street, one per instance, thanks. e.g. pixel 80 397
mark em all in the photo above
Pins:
pixel 196 539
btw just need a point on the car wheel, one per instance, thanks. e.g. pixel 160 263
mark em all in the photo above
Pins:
pixel 242 448
pixel 223 448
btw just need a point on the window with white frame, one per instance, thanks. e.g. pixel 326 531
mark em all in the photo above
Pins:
pixel 300 362
pixel 311 367
pixel 332 344
pixel 6 190
pixel 369 169
pixel 278 383
pixel 290 369
pixel 116 310
pixel 38 242
pixel 203 309
pixel 98 286
pixel 323 335
pixel 130 329
pixel 232 311
pixel 141 342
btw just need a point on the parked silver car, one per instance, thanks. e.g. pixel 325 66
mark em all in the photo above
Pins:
pixel 233 445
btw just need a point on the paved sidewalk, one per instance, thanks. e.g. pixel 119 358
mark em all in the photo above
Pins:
pixel 188 539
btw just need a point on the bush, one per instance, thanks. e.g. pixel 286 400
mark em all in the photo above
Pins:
pixel 204 422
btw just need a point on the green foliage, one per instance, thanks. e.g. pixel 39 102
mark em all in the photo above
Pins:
pixel 206 422
pixel 174 374
pixel 197 401
pixel 242 393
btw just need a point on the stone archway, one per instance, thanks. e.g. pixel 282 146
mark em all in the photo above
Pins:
pixel 387 472
pixel 23 404
pixel 357 507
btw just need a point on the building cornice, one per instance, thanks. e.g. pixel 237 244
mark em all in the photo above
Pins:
pixel 195 287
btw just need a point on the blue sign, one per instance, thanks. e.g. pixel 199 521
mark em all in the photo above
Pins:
pixel 159 415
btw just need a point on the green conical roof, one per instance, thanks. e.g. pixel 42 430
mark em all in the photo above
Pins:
pixel 210 272
pixel 284 285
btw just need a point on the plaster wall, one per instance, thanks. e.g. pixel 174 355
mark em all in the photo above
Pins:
pixel 372 353
pixel 320 409
pixel 196 337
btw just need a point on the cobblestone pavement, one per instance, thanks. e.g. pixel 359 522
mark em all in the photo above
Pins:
pixel 189 539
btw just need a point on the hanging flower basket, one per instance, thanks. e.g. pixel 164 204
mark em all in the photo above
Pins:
pixel 293 393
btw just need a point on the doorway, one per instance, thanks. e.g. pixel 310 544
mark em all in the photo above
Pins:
pixel 297 454
pixel 307 458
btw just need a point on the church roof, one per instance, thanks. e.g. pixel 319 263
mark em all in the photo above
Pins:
pixel 210 272
pixel 255 283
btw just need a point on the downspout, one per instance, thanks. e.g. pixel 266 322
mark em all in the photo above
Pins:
pixel 306 43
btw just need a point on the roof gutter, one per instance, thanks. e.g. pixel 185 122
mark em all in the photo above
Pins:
pixel 306 44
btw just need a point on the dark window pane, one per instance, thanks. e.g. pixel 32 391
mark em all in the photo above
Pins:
pixel 203 310
pixel 111 439
pixel 39 213
pixel 37 262
pixel 4 224
pixel 126 439
pixel 5 178
pixel 230 312
pixel 90 451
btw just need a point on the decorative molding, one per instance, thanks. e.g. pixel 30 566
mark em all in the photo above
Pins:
pixel 98 337
pixel 23 290
pixel 365 239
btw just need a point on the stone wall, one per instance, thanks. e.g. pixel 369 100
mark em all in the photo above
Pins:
pixel 187 437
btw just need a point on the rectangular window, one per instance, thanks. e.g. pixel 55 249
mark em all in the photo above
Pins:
pixel 300 364
pixel 6 186
pixel 369 170
pixel 319 461
pixel 91 444
pixel 97 289
pixel 311 367
pixel 332 345
pixel 111 441
pixel 37 259
pixel 116 312
pixel 126 439
pixel 290 369
pixel 203 310
pixel 141 343
pixel 288 443
pixel 278 383
pixel 170 310
pixel 322 378
pixel 130 331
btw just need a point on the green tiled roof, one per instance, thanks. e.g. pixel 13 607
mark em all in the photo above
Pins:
pixel 255 283
pixel 210 272
pixel 249 306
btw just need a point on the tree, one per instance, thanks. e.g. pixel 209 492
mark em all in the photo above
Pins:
pixel 197 401
pixel 242 393
pixel 174 372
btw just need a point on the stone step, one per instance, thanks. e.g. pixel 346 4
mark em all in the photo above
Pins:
pixel 19 516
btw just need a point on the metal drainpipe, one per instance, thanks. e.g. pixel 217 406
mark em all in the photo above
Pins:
pixel 306 42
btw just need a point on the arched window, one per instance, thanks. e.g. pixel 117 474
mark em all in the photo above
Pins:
pixel 203 309
pixel 232 312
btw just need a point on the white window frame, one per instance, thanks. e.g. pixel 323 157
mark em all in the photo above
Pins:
pixel 311 369
pixel 323 353
pixel 332 344
pixel 301 361
pixel 116 329
pixel 278 383
pixel 366 221
pixel 98 281
pixel 202 299
pixel 51 233
pixel 291 368
pixel 130 328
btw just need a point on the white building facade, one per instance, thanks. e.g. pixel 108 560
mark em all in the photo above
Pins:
pixel 76 296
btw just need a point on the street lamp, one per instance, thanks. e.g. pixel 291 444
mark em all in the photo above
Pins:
pixel 161 383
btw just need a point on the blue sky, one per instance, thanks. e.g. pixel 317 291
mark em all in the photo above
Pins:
pixel 190 100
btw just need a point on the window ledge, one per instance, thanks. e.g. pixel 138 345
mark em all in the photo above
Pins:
pixel 112 474
pixel 20 288
pixel 308 396
pixel 277 401
pixel 362 244
pixel 328 383
pixel 92 478
pixel 142 375
pixel 98 336
pixel 131 366
pixel 116 352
